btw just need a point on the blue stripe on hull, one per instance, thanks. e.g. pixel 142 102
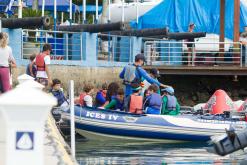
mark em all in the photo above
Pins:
pixel 141 134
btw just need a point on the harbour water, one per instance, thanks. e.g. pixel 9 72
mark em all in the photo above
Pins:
pixel 92 152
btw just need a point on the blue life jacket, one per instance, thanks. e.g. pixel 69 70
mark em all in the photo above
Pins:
pixel 154 101
pixel 34 70
pixel 150 110
pixel 171 102
pixel 119 105
pixel 60 97
pixel 100 99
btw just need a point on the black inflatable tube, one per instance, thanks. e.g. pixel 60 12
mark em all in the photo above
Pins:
pixel 93 28
pixel 188 35
pixel 25 23
pixel 140 33
pixel 154 34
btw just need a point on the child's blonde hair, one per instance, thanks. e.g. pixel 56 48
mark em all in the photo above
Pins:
pixel 3 39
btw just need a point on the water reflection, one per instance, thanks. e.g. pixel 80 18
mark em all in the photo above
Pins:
pixel 92 152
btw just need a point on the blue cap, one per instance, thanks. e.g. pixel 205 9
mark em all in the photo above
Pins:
pixel 155 72
pixel 140 57
pixel 169 90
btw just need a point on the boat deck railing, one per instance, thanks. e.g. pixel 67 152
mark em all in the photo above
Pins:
pixel 179 53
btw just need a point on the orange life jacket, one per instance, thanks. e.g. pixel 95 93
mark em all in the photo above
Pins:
pixel 81 99
pixel 40 62
pixel 136 104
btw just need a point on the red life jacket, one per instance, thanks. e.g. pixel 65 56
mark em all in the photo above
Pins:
pixel 40 62
pixel 103 94
pixel 136 104
pixel 81 99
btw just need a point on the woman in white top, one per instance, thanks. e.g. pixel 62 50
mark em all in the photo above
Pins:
pixel 6 58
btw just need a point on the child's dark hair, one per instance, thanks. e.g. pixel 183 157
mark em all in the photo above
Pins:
pixel 120 91
pixel 154 88
pixel 145 93
pixel 104 86
pixel 87 88
pixel 47 47
pixel 32 57
pixel 55 82
pixel 113 88
pixel 135 87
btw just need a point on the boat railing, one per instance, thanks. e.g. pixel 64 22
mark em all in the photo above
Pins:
pixel 178 53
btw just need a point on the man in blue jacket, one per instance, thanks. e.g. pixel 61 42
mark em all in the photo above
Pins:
pixel 135 73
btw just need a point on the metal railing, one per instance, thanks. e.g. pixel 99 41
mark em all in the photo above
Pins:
pixel 164 52
pixel 65 45
pixel 70 46
pixel 114 48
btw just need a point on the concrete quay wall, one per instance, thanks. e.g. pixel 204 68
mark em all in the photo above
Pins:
pixel 81 75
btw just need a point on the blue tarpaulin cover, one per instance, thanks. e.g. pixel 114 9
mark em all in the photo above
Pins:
pixel 178 14
pixel 62 5
pixel 4 4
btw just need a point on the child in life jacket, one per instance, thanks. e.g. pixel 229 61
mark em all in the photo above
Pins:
pixel 112 91
pixel 57 92
pixel 153 101
pixel 170 104
pixel 133 103
pixel 117 102
pixel 100 99
pixel 85 98
pixel 34 68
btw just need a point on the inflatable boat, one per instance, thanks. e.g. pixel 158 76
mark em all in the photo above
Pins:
pixel 98 124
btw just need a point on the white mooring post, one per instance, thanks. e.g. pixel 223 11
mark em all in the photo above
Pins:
pixel 31 83
pixel 24 77
pixel 25 111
